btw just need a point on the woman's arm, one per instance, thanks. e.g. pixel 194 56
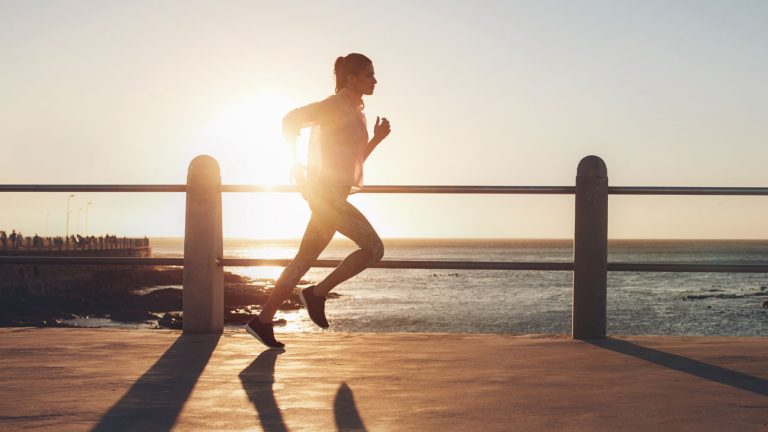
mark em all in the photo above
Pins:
pixel 293 122
pixel 380 131
pixel 302 117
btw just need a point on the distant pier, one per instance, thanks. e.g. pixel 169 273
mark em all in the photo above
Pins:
pixel 42 280
pixel 108 245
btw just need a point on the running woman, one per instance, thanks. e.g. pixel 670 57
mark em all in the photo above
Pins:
pixel 338 148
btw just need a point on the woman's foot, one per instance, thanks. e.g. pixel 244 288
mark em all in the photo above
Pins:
pixel 265 333
pixel 315 306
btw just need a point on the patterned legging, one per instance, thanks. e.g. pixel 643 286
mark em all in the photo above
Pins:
pixel 331 212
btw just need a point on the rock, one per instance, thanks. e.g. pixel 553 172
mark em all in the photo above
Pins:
pixel 765 304
pixel 162 300
pixel 238 316
pixel 291 304
pixel 172 321
pixel 113 292
pixel 241 316
pixel 132 315
pixel 722 296
pixel 245 294
pixel 239 295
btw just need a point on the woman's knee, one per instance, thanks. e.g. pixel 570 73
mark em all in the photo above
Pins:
pixel 375 251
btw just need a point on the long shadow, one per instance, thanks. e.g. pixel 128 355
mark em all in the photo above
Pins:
pixel 345 411
pixel 154 401
pixel 683 364
pixel 257 380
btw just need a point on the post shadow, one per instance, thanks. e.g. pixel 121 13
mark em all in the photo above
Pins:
pixel 257 380
pixel 345 411
pixel 154 401
pixel 696 368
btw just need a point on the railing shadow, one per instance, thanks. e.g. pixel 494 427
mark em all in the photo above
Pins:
pixel 696 368
pixel 156 398
pixel 258 380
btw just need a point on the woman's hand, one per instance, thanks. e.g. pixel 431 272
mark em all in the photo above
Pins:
pixel 381 129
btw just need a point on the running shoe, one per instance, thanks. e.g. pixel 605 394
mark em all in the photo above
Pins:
pixel 265 333
pixel 315 306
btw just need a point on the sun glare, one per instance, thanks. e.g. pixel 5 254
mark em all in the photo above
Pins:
pixel 245 137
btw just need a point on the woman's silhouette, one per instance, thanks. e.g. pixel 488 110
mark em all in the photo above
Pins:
pixel 339 146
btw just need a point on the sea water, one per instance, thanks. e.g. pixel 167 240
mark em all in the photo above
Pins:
pixel 521 302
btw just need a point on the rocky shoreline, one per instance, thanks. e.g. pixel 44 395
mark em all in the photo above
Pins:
pixel 150 295
pixel 717 293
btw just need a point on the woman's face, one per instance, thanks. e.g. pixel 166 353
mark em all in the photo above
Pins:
pixel 363 82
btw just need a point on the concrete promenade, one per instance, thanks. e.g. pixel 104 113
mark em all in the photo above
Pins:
pixel 157 380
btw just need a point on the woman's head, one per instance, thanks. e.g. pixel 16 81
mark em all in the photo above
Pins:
pixel 355 72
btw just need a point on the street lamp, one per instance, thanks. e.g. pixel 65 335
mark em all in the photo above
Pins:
pixel 66 236
pixel 79 211
pixel 86 217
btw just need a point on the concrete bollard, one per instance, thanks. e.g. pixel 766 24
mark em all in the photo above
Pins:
pixel 590 250
pixel 203 296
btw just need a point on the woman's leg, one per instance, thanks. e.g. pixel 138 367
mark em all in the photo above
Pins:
pixel 318 234
pixel 354 225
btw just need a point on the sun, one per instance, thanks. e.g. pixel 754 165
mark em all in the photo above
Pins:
pixel 245 136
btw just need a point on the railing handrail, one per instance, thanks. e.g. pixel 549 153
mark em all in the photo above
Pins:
pixel 667 267
pixel 430 189
pixel 670 190
pixel 93 188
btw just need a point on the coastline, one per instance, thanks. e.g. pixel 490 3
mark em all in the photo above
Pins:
pixel 498 302
pixel 59 296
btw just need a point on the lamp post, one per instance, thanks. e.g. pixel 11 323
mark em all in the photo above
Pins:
pixel 86 217
pixel 79 212
pixel 66 235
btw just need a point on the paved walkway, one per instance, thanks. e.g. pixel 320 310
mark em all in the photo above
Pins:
pixel 147 380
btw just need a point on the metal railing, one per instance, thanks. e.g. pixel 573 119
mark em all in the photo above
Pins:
pixel 203 253
pixel 398 264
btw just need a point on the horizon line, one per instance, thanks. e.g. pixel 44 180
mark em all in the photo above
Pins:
pixel 483 238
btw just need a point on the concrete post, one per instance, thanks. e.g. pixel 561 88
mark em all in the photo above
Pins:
pixel 590 250
pixel 203 296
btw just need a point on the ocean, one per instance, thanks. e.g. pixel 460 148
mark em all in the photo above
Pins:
pixel 524 302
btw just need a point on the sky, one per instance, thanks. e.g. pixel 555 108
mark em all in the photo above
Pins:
pixel 667 93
